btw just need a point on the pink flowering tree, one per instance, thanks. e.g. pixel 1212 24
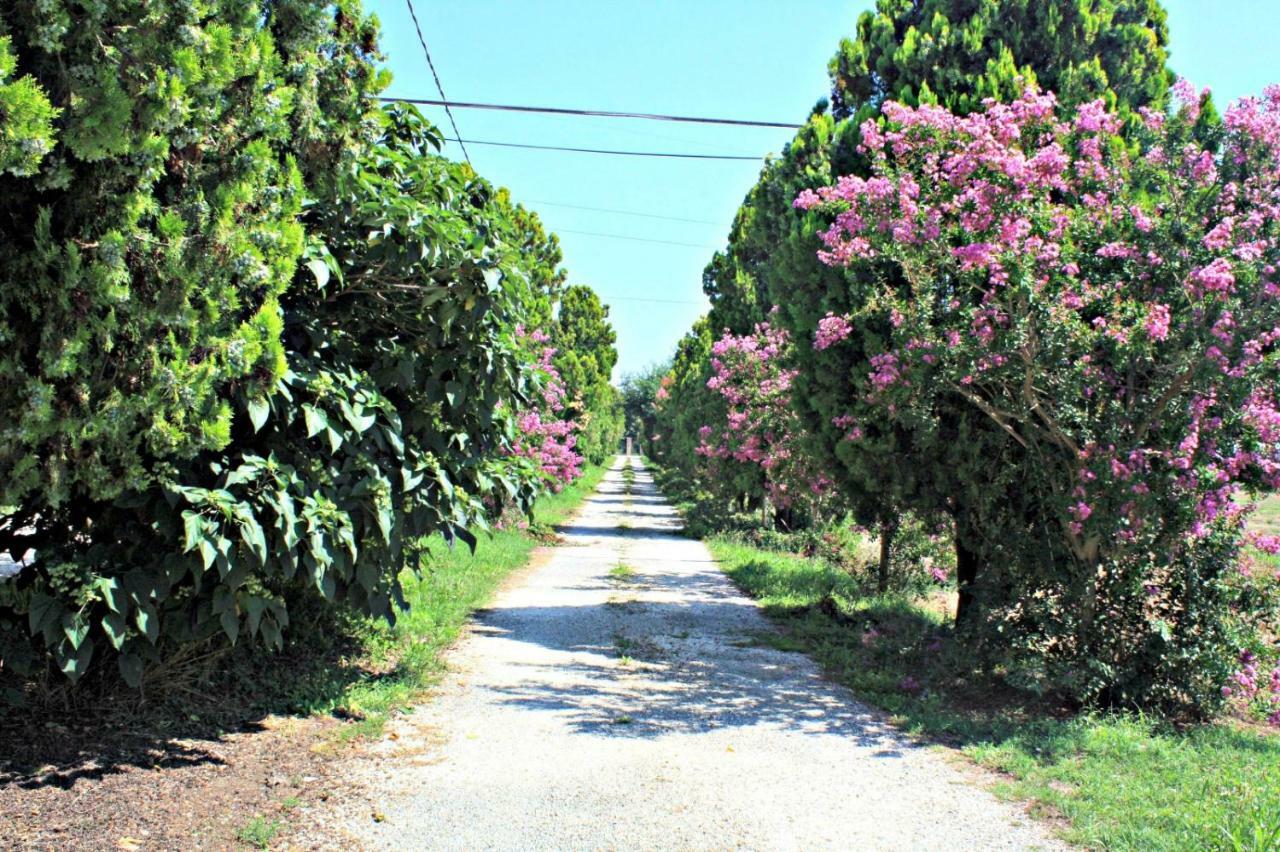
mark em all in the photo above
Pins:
pixel 543 434
pixel 1108 301
pixel 754 424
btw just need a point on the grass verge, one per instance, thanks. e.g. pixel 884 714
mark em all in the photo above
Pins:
pixel 1122 782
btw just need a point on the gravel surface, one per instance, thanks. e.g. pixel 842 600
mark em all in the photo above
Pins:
pixel 592 710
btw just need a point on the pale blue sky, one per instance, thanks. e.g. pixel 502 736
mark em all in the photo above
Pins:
pixel 755 59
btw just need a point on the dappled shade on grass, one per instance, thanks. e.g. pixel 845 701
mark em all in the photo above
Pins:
pixel 1125 782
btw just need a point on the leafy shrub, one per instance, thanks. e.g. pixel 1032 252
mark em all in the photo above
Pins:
pixel 151 235
pixel 152 231
pixel 394 421
pixel 585 357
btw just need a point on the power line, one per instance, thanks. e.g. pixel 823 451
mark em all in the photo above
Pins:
pixel 667 154
pixel 633 239
pixel 444 99
pixel 596 113
pixel 627 213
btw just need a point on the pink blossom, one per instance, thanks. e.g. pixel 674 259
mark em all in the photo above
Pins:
pixel 831 330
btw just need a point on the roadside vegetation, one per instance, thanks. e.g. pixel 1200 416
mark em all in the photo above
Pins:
pixel 1123 780
pixel 266 350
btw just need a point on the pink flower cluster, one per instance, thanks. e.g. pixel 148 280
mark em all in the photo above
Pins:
pixel 831 330
pixel 544 436
pixel 1244 687
pixel 758 426
pixel 1137 332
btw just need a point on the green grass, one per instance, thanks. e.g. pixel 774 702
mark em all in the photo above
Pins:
pixel 259 832
pixel 400 663
pixel 622 573
pixel 1267 518
pixel 1123 782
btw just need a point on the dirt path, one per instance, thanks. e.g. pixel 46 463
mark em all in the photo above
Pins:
pixel 616 698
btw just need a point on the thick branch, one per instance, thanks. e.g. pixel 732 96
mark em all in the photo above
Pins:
pixel 991 411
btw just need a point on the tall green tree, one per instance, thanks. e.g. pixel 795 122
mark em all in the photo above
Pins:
pixel 586 354
pixel 639 407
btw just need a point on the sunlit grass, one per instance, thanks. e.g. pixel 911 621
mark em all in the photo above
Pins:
pixel 1123 782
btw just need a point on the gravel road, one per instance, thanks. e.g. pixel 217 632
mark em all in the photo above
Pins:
pixel 593 707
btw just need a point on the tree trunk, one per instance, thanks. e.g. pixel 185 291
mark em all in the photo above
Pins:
pixel 966 571
pixel 888 529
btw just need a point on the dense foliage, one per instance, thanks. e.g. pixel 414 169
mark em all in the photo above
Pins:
pixel 1116 314
pixel 149 233
pixel 585 359
pixel 317 368
pixel 1162 615
pixel 942 51
pixel 639 409
pixel 757 425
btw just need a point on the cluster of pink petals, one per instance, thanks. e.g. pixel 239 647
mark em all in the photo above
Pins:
pixel 1244 686
pixel 543 435
pixel 758 425
pixel 831 330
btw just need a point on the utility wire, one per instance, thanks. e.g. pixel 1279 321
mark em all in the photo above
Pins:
pixel 633 239
pixel 627 213
pixel 596 113
pixel 443 98
pixel 667 154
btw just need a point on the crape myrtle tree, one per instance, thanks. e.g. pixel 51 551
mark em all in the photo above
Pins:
pixel 954 53
pixel 685 405
pixel 585 357
pixel 1110 303
pixel 544 434
pixel 755 424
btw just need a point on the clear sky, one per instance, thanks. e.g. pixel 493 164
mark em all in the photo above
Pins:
pixel 753 59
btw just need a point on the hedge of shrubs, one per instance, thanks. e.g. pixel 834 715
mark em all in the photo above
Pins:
pixel 258 339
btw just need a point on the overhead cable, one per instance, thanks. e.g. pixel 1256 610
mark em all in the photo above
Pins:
pixel 444 98
pixel 596 113
pixel 627 213
pixel 615 152
pixel 634 239
pixel 605 297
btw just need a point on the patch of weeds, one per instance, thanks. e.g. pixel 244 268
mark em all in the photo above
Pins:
pixel 623 720
pixel 622 573
pixel 769 639
pixel 259 832
pixel 624 660
pixel 290 803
